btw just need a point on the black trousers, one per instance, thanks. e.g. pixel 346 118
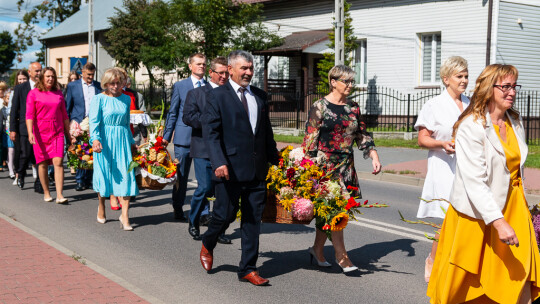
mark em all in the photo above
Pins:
pixel 24 155
pixel 226 205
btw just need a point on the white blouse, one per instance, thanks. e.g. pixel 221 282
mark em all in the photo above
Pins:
pixel 438 115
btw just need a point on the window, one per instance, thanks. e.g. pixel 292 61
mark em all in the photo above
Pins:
pixel 360 62
pixel 59 67
pixel 431 57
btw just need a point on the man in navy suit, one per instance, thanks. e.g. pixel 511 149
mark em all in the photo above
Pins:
pixel 17 126
pixel 193 110
pixel 240 143
pixel 79 93
pixel 182 132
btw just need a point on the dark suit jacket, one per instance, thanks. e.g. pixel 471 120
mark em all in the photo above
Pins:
pixel 230 140
pixel 75 106
pixel 174 123
pixel 193 110
pixel 17 118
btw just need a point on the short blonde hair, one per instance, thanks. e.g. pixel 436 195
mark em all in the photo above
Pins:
pixel 110 75
pixel 340 72
pixel 451 66
pixel 3 86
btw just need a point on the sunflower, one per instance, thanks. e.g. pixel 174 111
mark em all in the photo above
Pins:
pixel 339 221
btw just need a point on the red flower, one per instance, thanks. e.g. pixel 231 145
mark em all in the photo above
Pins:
pixel 352 188
pixel 290 173
pixel 351 203
pixel 326 227
pixel 365 202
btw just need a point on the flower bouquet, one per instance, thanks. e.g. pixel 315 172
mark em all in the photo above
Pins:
pixel 80 152
pixel 300 189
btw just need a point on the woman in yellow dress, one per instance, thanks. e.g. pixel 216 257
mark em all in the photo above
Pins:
pixel 487 248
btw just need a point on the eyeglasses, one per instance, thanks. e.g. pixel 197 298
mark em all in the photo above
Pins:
pixel 347 82
pixel 224 73
pixel 506 88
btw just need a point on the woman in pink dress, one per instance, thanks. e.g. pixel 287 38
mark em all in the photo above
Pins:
pixel 48 123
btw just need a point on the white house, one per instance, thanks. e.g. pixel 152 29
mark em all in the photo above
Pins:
pixel 402 42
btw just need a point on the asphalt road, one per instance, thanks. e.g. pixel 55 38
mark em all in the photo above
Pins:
pixel 161 259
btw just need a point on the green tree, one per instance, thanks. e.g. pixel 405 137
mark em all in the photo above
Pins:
pixel 219 26
pixel 7 51
pixel 329 58
pixel 53 11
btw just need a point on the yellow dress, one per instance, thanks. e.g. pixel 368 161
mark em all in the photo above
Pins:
pixel 472 265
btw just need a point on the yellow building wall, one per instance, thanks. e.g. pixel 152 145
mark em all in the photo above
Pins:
pixel 59 59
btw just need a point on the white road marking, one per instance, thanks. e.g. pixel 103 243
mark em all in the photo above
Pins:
pixel 393 231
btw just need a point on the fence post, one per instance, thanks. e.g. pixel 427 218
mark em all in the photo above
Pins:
pixel 527 129
pixel 408 111
pixel 298 113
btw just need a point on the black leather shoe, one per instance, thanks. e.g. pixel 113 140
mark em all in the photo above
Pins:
pixel 179 216
pixel 222 239
pixel 79 187
pixel 37 187
pixel 20 182
pixel 194 232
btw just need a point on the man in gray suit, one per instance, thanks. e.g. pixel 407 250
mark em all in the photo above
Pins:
pixel 182 132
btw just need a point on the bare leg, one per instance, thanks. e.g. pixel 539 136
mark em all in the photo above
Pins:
pixel 431 257
pixel 318 245
pixel 11 154
pixel 44 178
pixel 339 248
pixel 114 201
pixel 125 210
pixel 59 177
pixel 526 297
pixel 101 207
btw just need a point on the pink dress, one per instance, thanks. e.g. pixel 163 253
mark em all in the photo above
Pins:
pixel 48 111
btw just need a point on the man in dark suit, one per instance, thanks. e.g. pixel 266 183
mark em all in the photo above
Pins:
pixel 182 132
pixel 79 93
pixel 17 126
pixel 193 110
pixel 240 143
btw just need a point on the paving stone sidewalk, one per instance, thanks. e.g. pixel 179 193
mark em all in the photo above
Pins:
pixel 32 271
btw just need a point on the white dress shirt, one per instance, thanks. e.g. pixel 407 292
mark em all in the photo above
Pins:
pixel 213 85
pixel 252 103
pixel 32 84
pixel 88 91
pixel 195 80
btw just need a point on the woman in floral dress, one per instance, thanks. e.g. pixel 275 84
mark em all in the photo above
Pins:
pixel 333 126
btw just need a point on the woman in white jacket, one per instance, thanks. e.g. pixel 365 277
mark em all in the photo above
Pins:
pixel 487 250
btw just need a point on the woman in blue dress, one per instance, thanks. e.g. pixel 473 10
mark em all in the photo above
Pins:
pixel 112 145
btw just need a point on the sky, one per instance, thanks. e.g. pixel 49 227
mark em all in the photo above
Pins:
pixel 10 18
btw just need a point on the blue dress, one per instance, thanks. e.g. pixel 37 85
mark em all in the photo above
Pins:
pixel 109 123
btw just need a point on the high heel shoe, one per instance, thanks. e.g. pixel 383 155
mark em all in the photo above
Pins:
pixel 101 220
pixel 48 199
pixel 314 257
pixel 125 228
pixel 347 268
pixel 115 208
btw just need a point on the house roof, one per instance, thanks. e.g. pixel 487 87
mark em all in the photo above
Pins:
pixel 78 23
pixel 296 42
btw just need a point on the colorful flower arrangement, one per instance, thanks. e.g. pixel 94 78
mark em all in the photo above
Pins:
pixel 80 152
pixel 154 159
pixel 304 187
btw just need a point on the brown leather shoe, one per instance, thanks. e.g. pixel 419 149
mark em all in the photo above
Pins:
pixel 254 278
pixel 207 258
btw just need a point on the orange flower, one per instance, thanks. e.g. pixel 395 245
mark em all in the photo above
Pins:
pixel 339 222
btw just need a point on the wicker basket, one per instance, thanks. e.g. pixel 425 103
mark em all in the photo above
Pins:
pixel 275 213
pixel 148 183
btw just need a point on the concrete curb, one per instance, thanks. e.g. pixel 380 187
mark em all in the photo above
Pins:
pixel 109 275
pixel 419 182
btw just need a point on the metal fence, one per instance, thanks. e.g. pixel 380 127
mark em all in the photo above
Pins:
pixel 388 110
pixel 384 109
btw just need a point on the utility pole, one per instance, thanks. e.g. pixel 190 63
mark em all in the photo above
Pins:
pixel 339 26
pixel 90 30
